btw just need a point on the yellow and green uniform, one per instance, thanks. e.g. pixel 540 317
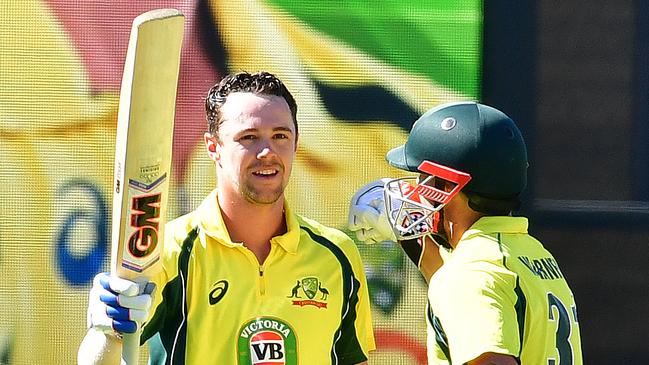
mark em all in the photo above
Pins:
pixel 306 304
pixel 501 291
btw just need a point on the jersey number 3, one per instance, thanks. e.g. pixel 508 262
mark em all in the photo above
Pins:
pixel 564 328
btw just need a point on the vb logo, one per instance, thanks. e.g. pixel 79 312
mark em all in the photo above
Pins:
pixel 267 348
pixel 267 341
pixel 145 216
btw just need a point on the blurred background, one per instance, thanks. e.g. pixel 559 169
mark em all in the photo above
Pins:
pixel 574 75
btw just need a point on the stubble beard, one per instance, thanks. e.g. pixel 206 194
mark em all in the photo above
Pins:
pixel 259 196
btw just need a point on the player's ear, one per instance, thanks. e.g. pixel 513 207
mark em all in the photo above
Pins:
pixel 212 146
pixel 296 140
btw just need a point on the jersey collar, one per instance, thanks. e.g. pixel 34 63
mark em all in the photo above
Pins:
pixel 211 222
pixel 289 240
pixel 497 224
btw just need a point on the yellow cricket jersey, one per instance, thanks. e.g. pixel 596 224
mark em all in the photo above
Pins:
pixel 501 291
pixel 215 304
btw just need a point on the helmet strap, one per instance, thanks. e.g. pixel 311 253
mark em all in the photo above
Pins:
pixel 439 235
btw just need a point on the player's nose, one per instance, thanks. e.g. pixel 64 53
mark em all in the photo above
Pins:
pixel 265 149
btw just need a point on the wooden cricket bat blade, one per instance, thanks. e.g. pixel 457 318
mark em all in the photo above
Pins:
pixel 143 149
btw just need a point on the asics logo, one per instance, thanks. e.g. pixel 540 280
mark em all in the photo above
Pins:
pixel 218 291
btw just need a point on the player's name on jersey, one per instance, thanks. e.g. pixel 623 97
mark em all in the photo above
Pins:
pixel 545 268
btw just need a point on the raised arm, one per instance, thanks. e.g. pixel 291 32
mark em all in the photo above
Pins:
pixel 368 220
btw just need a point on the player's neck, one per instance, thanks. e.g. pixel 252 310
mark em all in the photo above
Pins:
pixel 459 218
pixel 457 230
pixel 253 224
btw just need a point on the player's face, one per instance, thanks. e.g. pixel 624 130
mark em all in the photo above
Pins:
pixel 256 147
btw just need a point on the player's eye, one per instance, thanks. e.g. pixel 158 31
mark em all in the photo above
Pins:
pixel 247 137
pixel 281 136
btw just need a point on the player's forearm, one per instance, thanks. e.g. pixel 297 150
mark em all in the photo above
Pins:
pixel 431 259
pixel 98 348
pixel 426 257
pixel 491 358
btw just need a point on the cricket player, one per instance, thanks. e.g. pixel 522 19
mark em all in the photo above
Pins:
pixel 496 295
pixel 245 279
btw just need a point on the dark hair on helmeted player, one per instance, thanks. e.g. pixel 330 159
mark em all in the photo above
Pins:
pixel 262 82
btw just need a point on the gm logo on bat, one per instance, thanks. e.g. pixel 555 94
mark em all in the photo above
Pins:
pixel 145 218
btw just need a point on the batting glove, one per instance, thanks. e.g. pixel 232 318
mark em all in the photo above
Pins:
pixel 117 305
pixel 367 215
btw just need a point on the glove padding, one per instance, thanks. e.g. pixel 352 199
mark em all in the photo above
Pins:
pixel 367 216
pixel 118 305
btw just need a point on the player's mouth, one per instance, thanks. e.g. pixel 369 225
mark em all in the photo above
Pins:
pixel 266 172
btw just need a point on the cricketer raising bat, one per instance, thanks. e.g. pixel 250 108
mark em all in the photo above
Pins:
pixel 143 147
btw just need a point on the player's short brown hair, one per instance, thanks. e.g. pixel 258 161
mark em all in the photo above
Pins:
pixel 262 82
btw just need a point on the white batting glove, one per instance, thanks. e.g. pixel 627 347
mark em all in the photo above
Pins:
pixel 367 216
pixel 117 305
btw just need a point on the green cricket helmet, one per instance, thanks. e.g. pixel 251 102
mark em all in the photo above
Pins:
pixel 474 146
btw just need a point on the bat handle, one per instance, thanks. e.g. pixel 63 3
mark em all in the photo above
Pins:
pixel 130 348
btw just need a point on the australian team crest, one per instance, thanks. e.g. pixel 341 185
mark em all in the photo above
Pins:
pixel 267 341
pixel 311 287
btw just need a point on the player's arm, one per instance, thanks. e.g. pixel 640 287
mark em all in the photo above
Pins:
pixel 475 303
pixel 99 348
pixel 356 332
pixel 491 358
pixel 369 222
pixel 430 257
pixel 116 306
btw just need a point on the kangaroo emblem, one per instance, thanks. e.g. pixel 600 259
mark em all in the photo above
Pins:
pixel 294 291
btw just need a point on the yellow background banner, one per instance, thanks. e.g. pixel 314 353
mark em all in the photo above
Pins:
pixel 61 64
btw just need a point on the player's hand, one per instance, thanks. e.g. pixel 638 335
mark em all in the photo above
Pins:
pixel 367 216
pixel 118 305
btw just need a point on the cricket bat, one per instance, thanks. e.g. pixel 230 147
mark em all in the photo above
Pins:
pixel 143 146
